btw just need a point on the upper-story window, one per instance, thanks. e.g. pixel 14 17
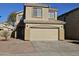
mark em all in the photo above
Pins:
pixel 51 14
pixel 37 12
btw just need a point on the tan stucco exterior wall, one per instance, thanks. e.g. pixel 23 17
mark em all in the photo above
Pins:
pixel 60 30
pixel 61 34
pixel 27 33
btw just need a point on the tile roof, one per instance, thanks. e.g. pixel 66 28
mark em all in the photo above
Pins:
pixel 69 12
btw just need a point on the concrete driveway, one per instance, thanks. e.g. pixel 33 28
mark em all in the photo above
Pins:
pixel 16 47
pixel 57 48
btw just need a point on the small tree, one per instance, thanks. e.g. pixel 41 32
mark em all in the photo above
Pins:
pixel 11 19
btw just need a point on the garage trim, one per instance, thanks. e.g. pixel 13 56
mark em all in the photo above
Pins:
pixel 47 28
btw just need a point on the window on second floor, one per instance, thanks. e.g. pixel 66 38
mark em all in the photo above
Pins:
pixel 37 12
pixel 51 14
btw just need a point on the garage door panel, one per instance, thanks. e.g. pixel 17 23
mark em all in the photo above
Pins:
pixel 43 34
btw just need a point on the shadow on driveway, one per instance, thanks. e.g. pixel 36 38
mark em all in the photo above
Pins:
pixel 73 41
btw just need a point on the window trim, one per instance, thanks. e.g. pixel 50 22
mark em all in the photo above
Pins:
pixel 53 14
pixel 33 12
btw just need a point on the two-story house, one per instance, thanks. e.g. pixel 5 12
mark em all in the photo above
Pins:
pixel 40 23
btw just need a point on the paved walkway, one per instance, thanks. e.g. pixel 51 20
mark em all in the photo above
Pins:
pixel 42 48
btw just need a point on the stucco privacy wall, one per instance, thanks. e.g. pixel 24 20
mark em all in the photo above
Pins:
pixel 60 29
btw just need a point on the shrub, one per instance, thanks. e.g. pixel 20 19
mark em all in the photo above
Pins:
pixel 5 34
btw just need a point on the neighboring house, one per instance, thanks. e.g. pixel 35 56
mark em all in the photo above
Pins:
pixel 39 23
pixel 19 25
pixel 72 23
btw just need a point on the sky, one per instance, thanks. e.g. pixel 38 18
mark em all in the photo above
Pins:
pixel 64 7
pixel 7 8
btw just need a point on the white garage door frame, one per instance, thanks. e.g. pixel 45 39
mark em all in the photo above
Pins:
pixel 43 28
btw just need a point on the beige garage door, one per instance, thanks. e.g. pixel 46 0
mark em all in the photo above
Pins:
pixel 37 34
